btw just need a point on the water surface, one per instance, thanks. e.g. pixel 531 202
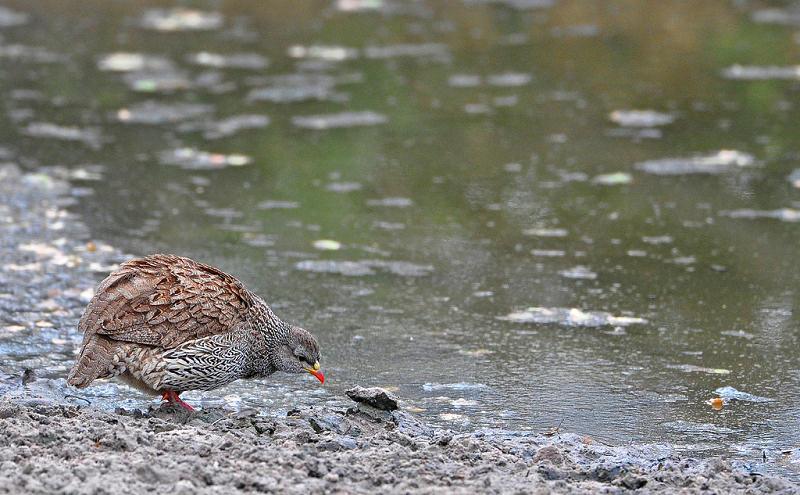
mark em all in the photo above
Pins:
pixel 517 214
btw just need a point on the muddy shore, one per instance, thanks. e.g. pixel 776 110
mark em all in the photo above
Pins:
pixel 51 442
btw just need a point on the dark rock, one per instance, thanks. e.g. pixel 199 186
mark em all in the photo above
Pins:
pixel 375 397
pixel 633 482
pixel 28 376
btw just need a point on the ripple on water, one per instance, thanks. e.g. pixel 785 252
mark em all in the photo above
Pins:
pixel 151 112
pixel 252 61
pixel 338 120
pixel 717 163
pixel 515 4
pixel 460 386
pixel 228 126
pixel 784 214
pixel 545 232
pixel 788 16
pixel 570 317
pixel 10 18
pixel 395 202
pixel 364 267
pixel 692 428
pixel 640 118
pixel 193 159
pixel 331 53
pixel 180 19
pixel 761 73
pixel 438 51
pixel 130 62
pixel 157 81
pixel 273 204
pixel 89 137
pixel 691 368
pixel 579 272
pixel 613 179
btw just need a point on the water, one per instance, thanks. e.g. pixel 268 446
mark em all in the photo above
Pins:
pixel 627 165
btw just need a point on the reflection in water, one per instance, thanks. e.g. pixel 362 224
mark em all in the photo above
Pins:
pixel 461 155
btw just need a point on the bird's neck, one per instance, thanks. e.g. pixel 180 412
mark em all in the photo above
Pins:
pixel 269 327
pixel 268 333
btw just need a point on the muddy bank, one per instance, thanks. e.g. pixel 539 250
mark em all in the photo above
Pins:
pixel 51 442
pixel 53 448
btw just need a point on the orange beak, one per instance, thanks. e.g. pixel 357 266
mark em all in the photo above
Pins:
pixel 316 372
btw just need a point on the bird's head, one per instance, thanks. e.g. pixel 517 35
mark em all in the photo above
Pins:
pixel 299 354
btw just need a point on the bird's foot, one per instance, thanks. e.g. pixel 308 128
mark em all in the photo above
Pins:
pixel 173 397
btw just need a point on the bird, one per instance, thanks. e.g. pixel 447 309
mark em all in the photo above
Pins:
pixel 166 324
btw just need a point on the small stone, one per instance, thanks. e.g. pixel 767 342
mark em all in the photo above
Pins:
pixel 375 397
pixel 550 454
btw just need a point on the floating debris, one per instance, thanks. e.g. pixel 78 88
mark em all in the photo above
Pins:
pixel 579 272
pixel 761 73
pixel 691 368
pixel 343 187
pixel 130 62
pixel 730 393
pixel 784 214
pixel 716 403
pixel 396 202
pixel 180 19
pixel 89 137
pixel 151 112
pixel 252 61
pixel 228 126
pixel 720 162
pixel 614 179
pixel 331 53
pixel 193 159
pixel 571 317
pixel 327 245
pixel 640 118
pixel 545 232
pixel 364 267
pixel 11 18
pixel 338 120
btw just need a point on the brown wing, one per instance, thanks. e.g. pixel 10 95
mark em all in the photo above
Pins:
pixel 165 300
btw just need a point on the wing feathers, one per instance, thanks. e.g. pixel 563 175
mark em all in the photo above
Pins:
pixel 166 300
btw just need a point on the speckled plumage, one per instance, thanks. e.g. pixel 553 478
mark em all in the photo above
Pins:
pixel 168 323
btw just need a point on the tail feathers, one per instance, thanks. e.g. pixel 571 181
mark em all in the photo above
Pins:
pixel 95 361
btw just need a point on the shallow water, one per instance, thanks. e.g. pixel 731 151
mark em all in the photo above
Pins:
pixel 542 213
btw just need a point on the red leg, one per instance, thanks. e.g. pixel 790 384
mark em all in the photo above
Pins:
pixel 173 398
